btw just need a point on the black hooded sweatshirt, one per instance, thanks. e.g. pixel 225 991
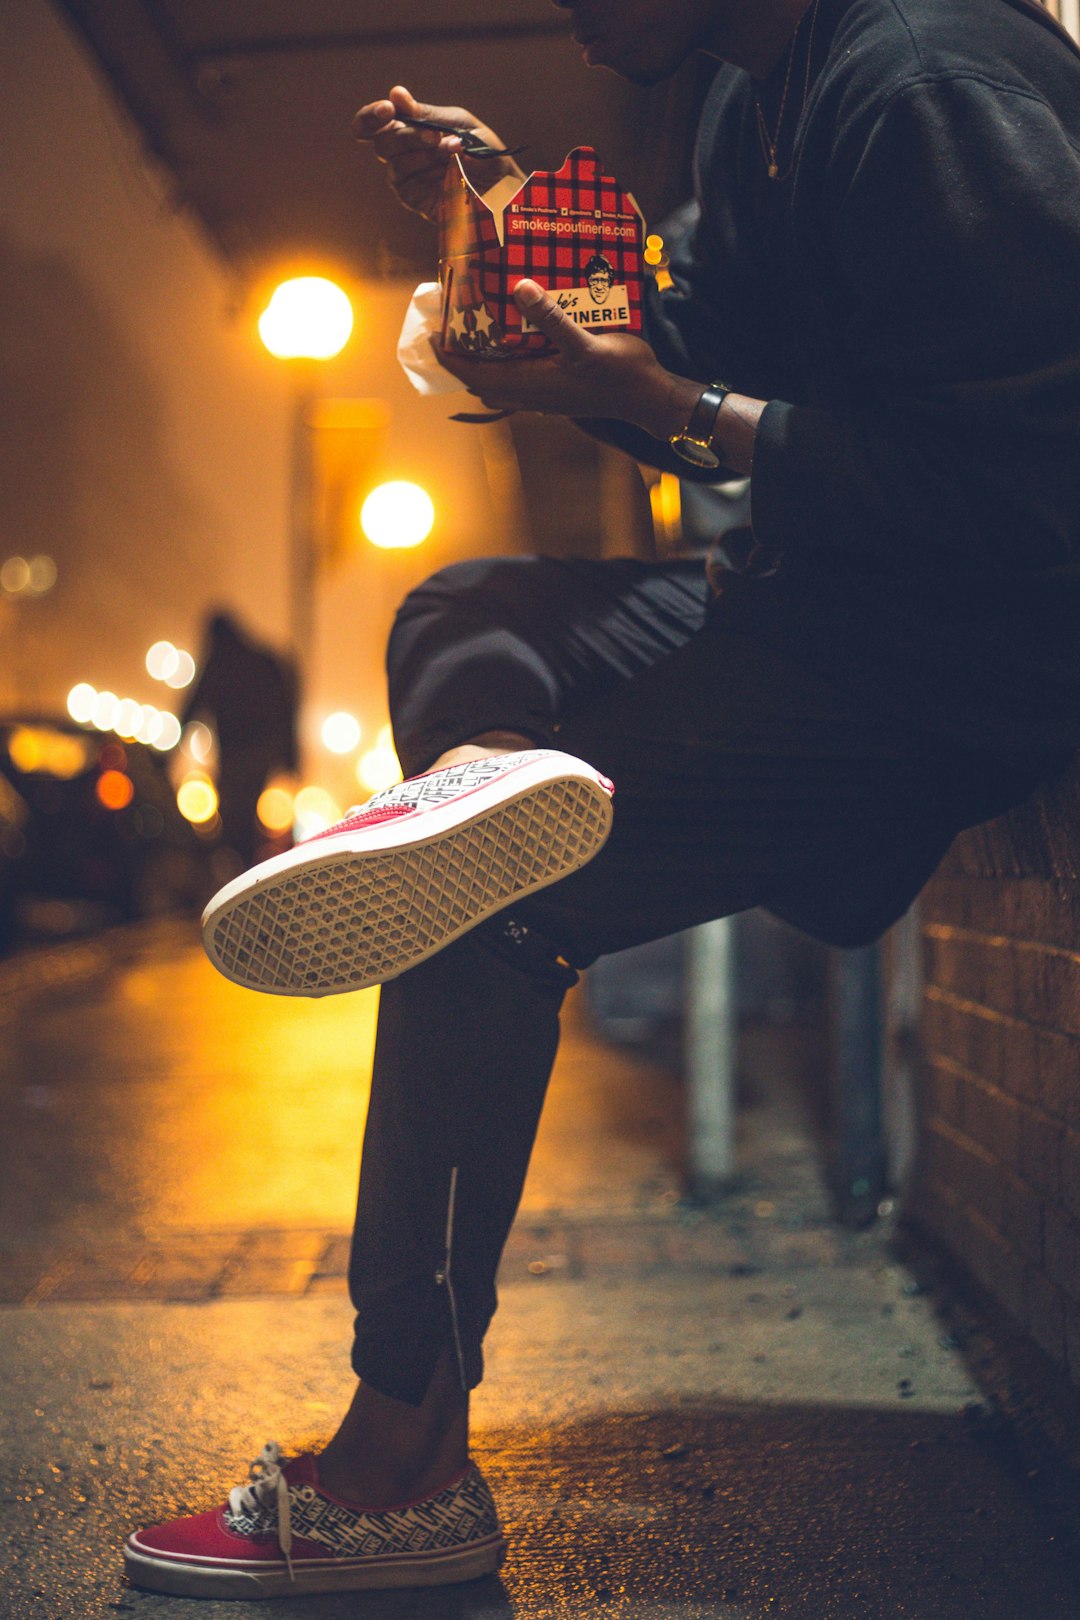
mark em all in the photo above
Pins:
pixel 907 298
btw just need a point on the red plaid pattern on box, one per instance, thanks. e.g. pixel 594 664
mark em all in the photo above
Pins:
pixel 576 232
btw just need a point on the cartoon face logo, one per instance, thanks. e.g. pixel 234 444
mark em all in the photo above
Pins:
pixel 601 278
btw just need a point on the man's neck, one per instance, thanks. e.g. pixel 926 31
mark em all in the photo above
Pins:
pixel 755 38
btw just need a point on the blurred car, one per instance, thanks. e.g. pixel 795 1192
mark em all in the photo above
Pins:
pixel 90 833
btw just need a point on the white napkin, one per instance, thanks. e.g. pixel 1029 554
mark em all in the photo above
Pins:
pixel 422 321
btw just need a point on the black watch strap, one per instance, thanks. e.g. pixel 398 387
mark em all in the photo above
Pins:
pixel 702 423
pixel 694 443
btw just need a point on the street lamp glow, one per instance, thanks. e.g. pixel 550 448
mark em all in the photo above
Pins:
pixel 307 318
pixel 341 732
pixel 397 515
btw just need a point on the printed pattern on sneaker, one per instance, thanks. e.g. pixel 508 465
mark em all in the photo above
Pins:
pixel 425 792
pixel 461 1513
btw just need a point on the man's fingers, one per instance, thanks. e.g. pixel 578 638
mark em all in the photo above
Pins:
pixel 413 160
pixel 407 106
pixel 379 119
pixel 373 118
pixel 541 311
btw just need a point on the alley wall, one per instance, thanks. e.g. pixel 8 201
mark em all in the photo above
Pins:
pixel 998 1162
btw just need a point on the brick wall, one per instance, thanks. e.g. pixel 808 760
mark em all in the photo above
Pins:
pixel 996 1176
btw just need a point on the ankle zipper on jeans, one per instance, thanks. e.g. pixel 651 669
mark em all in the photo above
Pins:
pixel 444 1278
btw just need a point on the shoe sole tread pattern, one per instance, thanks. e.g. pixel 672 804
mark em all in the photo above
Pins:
pixel 160 1574
pixel 355 919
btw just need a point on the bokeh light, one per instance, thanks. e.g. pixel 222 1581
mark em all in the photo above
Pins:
pixel 14 576
pixel 199 740
pixel 139 722
pixel 379 767
pixel 196 799
pixel 50 752
pixel 341 732
pixel 113 757
pixel 105 707
pixel 184 672
pixel 397 515
pixel 307 318
pixel 150 725
pixel 25 749
pixel 275 809
pixel 170 733
pixel 42 575
pixel 80 702
pixel 129 717
pixel 115 790
pixel 313 811
pixel 161 660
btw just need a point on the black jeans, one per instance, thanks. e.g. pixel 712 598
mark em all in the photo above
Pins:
pixel 741 780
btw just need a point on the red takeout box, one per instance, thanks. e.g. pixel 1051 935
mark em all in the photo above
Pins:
pixel 576 232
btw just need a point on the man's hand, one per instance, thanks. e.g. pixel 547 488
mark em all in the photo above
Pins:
pixel 615 376
pixel 417 159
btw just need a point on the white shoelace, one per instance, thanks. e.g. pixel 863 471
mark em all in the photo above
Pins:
pixel 268 1489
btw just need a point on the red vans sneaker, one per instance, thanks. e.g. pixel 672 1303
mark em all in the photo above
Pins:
pixel 284 1535
pixel 407 872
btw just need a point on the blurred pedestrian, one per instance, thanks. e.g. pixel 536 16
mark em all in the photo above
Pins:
pixel 248 693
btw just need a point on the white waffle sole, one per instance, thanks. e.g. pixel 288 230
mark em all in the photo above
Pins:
pixel 349 911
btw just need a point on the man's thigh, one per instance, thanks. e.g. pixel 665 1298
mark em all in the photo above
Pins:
pixel 742 780
pixel 519 643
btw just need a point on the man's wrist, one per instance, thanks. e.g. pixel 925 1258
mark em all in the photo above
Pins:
pixel 735 432
pixel 670 406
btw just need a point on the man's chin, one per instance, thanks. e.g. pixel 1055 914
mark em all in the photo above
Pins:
pixel 632 73
pixel 604 53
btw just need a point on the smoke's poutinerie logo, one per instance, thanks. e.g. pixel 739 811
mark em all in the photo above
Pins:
pixel 575 231
pixel 600 303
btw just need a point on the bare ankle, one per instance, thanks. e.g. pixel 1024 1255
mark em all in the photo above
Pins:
pixel 387 1451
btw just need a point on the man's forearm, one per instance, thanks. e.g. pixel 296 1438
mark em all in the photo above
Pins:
pixel 736 424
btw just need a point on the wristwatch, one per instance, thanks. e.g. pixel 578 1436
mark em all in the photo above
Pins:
pixel 694 443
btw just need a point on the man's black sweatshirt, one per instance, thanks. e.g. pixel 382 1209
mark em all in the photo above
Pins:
pixel 907 298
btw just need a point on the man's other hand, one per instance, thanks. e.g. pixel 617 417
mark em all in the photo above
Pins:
pixel 616 376
pixel 416 159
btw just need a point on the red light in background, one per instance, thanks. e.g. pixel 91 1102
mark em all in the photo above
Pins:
pixel 115 790
pixel 113 757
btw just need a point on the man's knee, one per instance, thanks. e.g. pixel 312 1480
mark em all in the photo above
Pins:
pixel 482 587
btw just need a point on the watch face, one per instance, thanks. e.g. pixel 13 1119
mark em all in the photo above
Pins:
pixel 692 450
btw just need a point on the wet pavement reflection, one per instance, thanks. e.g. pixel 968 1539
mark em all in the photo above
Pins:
pixel 737 1412
pixel 146 1093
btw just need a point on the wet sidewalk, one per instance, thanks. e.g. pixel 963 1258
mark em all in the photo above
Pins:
pixel 742 1412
